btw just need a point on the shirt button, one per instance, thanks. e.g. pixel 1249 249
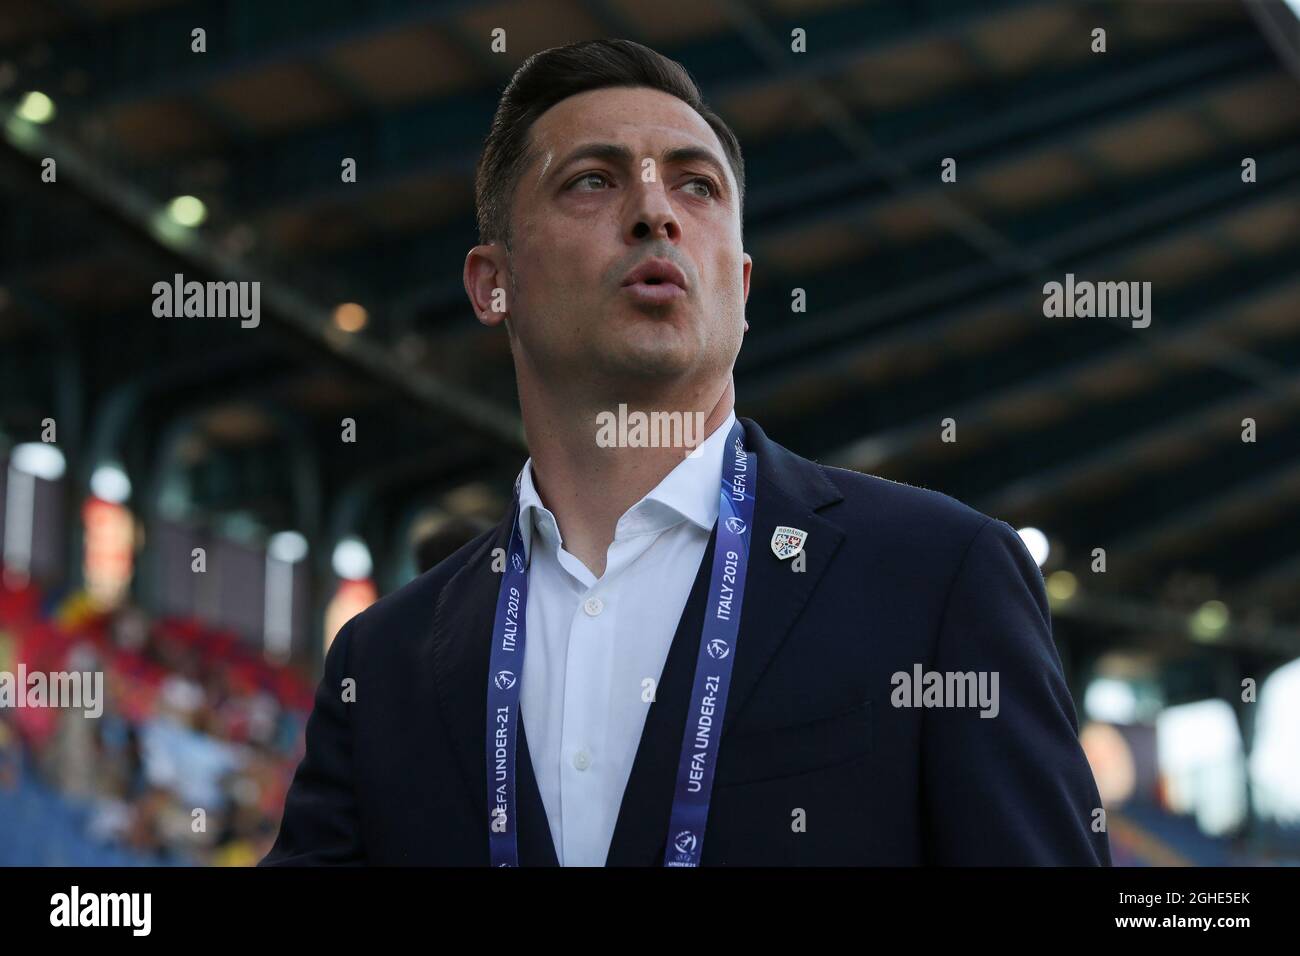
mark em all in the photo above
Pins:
pixel 593 606
pixel 582 760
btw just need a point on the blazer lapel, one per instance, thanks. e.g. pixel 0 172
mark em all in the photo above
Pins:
pixel 461 647
pixel 536 848
pixel 790 492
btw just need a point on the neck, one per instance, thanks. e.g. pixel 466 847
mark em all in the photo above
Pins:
pixel 589 487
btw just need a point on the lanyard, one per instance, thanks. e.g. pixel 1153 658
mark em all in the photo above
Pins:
pixel 699 752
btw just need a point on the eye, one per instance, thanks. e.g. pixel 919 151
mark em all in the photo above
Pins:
pixel 712 191
pixel 586 176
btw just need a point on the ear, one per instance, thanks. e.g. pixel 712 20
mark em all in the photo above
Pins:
pixel 484 278
pixel 746 268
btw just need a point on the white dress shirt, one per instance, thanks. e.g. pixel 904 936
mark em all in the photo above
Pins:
pixel 595 645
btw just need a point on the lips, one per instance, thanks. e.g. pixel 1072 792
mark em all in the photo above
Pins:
pixel 655 272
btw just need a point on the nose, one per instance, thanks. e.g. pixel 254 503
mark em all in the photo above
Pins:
pixel 652 216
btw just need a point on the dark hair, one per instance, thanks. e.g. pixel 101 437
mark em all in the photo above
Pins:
pixel 550 76
pixel 449 536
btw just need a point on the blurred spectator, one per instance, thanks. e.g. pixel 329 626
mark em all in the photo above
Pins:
pixel 445 540
pixel 193 720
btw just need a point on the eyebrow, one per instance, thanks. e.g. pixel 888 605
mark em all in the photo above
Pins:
pixel 614 153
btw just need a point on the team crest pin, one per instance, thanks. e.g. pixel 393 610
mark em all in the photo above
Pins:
pixel 787 542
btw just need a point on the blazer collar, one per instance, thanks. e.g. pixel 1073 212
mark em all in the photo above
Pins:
pixel 791 490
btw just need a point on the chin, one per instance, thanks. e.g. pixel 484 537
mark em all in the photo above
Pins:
pixel 647 361
pixel 649 343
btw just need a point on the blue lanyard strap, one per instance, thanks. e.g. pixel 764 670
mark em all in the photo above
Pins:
pixel 505 672
pixel 717 651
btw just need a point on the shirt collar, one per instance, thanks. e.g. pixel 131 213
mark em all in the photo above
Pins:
pixel 690 492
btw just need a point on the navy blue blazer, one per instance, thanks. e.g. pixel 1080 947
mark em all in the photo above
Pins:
pixel 819 762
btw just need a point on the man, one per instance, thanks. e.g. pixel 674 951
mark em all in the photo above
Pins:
pixel 680 655
pixel 449 536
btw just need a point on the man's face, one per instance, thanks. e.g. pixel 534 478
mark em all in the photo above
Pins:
pixel 584 218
